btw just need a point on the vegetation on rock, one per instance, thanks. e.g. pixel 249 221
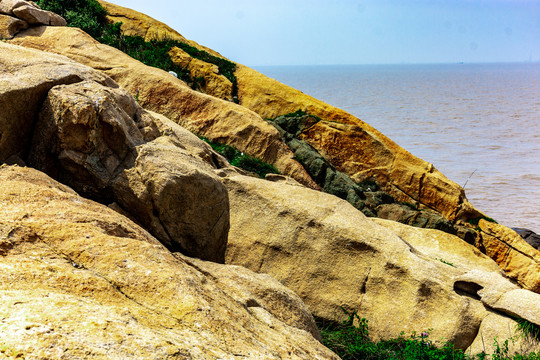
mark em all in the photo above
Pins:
pixel 241 160
pixel 366 196
pixel 350 340
pixel 90 16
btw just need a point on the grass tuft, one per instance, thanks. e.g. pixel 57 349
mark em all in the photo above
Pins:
pixel 241 160
pixel 350 340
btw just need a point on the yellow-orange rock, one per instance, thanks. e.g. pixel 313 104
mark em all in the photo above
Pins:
pixel 357 148
pixel 514 255
pixel 159 91
pixel 352 145
pixel 398 277
pixel 137 24
pixel 9 26
pixel 80 281
pixel 212 82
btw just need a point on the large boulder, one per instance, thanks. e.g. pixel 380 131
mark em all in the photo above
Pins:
pixel 99 141
pixel 26 76
pixel 514 255
pixel 30 13
pixel 398 277
pixel 79 281
pixel 159 91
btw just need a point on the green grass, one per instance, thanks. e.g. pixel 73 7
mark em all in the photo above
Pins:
pixel 352 342
pixel 241 160
pixel 527 328
pixel 90 16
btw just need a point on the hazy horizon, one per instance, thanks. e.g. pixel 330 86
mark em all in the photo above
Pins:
pixel 348 32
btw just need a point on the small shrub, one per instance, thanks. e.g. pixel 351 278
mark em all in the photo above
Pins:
pixel 298 112
pixel 241 160
pixel 90 16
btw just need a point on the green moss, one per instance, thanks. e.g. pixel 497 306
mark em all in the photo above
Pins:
pixel 476 221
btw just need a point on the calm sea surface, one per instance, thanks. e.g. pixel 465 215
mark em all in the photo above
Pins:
pixel 478 124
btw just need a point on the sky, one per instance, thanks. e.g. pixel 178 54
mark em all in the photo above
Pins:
pixel 339 32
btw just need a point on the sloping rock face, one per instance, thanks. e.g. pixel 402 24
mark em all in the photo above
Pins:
pixel 515 256
pixel 159 91
pixel 333 256
pixel 135 23
pixel 79 281
pixel 213 83
pixel 355 147
pixel 351 145
pixel 99 141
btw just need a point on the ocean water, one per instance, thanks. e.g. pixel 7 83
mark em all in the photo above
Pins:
pixel 479 124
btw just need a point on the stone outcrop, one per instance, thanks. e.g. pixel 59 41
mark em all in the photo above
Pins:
pixel 332 256
pixel 365 196
pixel 350 144
pixel 355 147
pixel 63 255
pixel 135 23
pixel 79 281
pixel 515 256
pixel 208 74
pixel 161 92
pixel 26 77
pixel 529 236
pixel 30 13
pixel 10 26
pixel 99 141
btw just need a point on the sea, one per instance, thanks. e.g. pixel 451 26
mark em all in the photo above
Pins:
pixel 479 124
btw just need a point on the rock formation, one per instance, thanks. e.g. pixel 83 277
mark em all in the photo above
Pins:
pixel 83 280
pixel 332 256
pixel 517 258
pixel 79 281
pixel 161 92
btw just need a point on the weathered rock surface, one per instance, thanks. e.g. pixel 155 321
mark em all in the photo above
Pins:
pixel 10 26
pixel 366 196
pixel 332 256
pixel 213 83
pixel 529 236
pixel 161 92
pixel 355 147
pixel 26 76
pixel 79 280
pixel 514 255
pixel 501 329
pixel 88 136
pixel 30 13
pixel 135 23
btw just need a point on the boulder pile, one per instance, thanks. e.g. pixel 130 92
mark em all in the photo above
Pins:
pixel 124 235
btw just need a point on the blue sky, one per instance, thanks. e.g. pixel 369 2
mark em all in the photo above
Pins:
pixel 324 32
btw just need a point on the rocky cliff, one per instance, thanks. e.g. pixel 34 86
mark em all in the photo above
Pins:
pixel 124 235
